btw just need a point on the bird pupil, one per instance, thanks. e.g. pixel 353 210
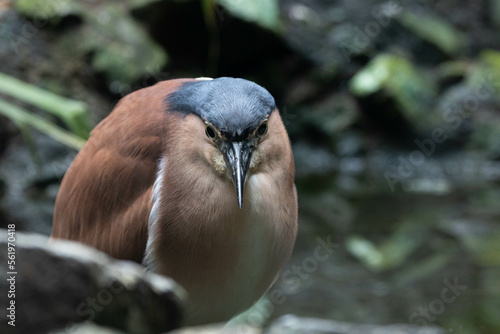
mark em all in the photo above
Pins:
pixel 210 132
pixel 262 130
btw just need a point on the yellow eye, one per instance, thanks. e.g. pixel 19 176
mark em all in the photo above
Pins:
pixel 262 130
pixel 210 131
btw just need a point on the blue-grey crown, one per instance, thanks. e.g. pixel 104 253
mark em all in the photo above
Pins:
pixel 234 106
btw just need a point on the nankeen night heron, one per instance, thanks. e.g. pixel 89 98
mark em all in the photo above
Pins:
pixel 193 178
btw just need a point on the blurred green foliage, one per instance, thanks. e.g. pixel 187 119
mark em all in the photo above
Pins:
pixel 73 113
pixel 395 76
pixel 262 12
pixel 119 46
pixel 435 30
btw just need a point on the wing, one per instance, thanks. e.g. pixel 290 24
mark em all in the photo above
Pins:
pixel 104 198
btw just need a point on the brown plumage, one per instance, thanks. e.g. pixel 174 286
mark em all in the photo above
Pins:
pixel 151 186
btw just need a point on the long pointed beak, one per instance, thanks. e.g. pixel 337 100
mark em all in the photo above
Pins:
pixel 237 156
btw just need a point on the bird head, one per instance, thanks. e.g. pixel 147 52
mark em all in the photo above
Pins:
pixel 235 115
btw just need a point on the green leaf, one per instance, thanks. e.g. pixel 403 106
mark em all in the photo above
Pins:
pixel 434 30
pixel 263 12
pixel 366 252
pixel 410 89
pixel 73 113
pixel 23 118
pixel 122 49
pixel 51 10
pixel 485 249
pixel 392 252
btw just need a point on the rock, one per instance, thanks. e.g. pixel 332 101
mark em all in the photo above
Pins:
pixel 88 328
pixel 24 201
pixel 291 324
pixel 65 283
pixel 218 329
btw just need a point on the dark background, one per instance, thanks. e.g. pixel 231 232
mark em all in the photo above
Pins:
pixel 393 109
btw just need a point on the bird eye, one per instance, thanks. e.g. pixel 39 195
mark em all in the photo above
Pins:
pixel 210 132
pixel 262 130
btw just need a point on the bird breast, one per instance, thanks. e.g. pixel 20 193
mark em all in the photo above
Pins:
pixel 230 256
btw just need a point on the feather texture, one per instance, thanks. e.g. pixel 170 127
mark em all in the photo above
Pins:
pixel 151 187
